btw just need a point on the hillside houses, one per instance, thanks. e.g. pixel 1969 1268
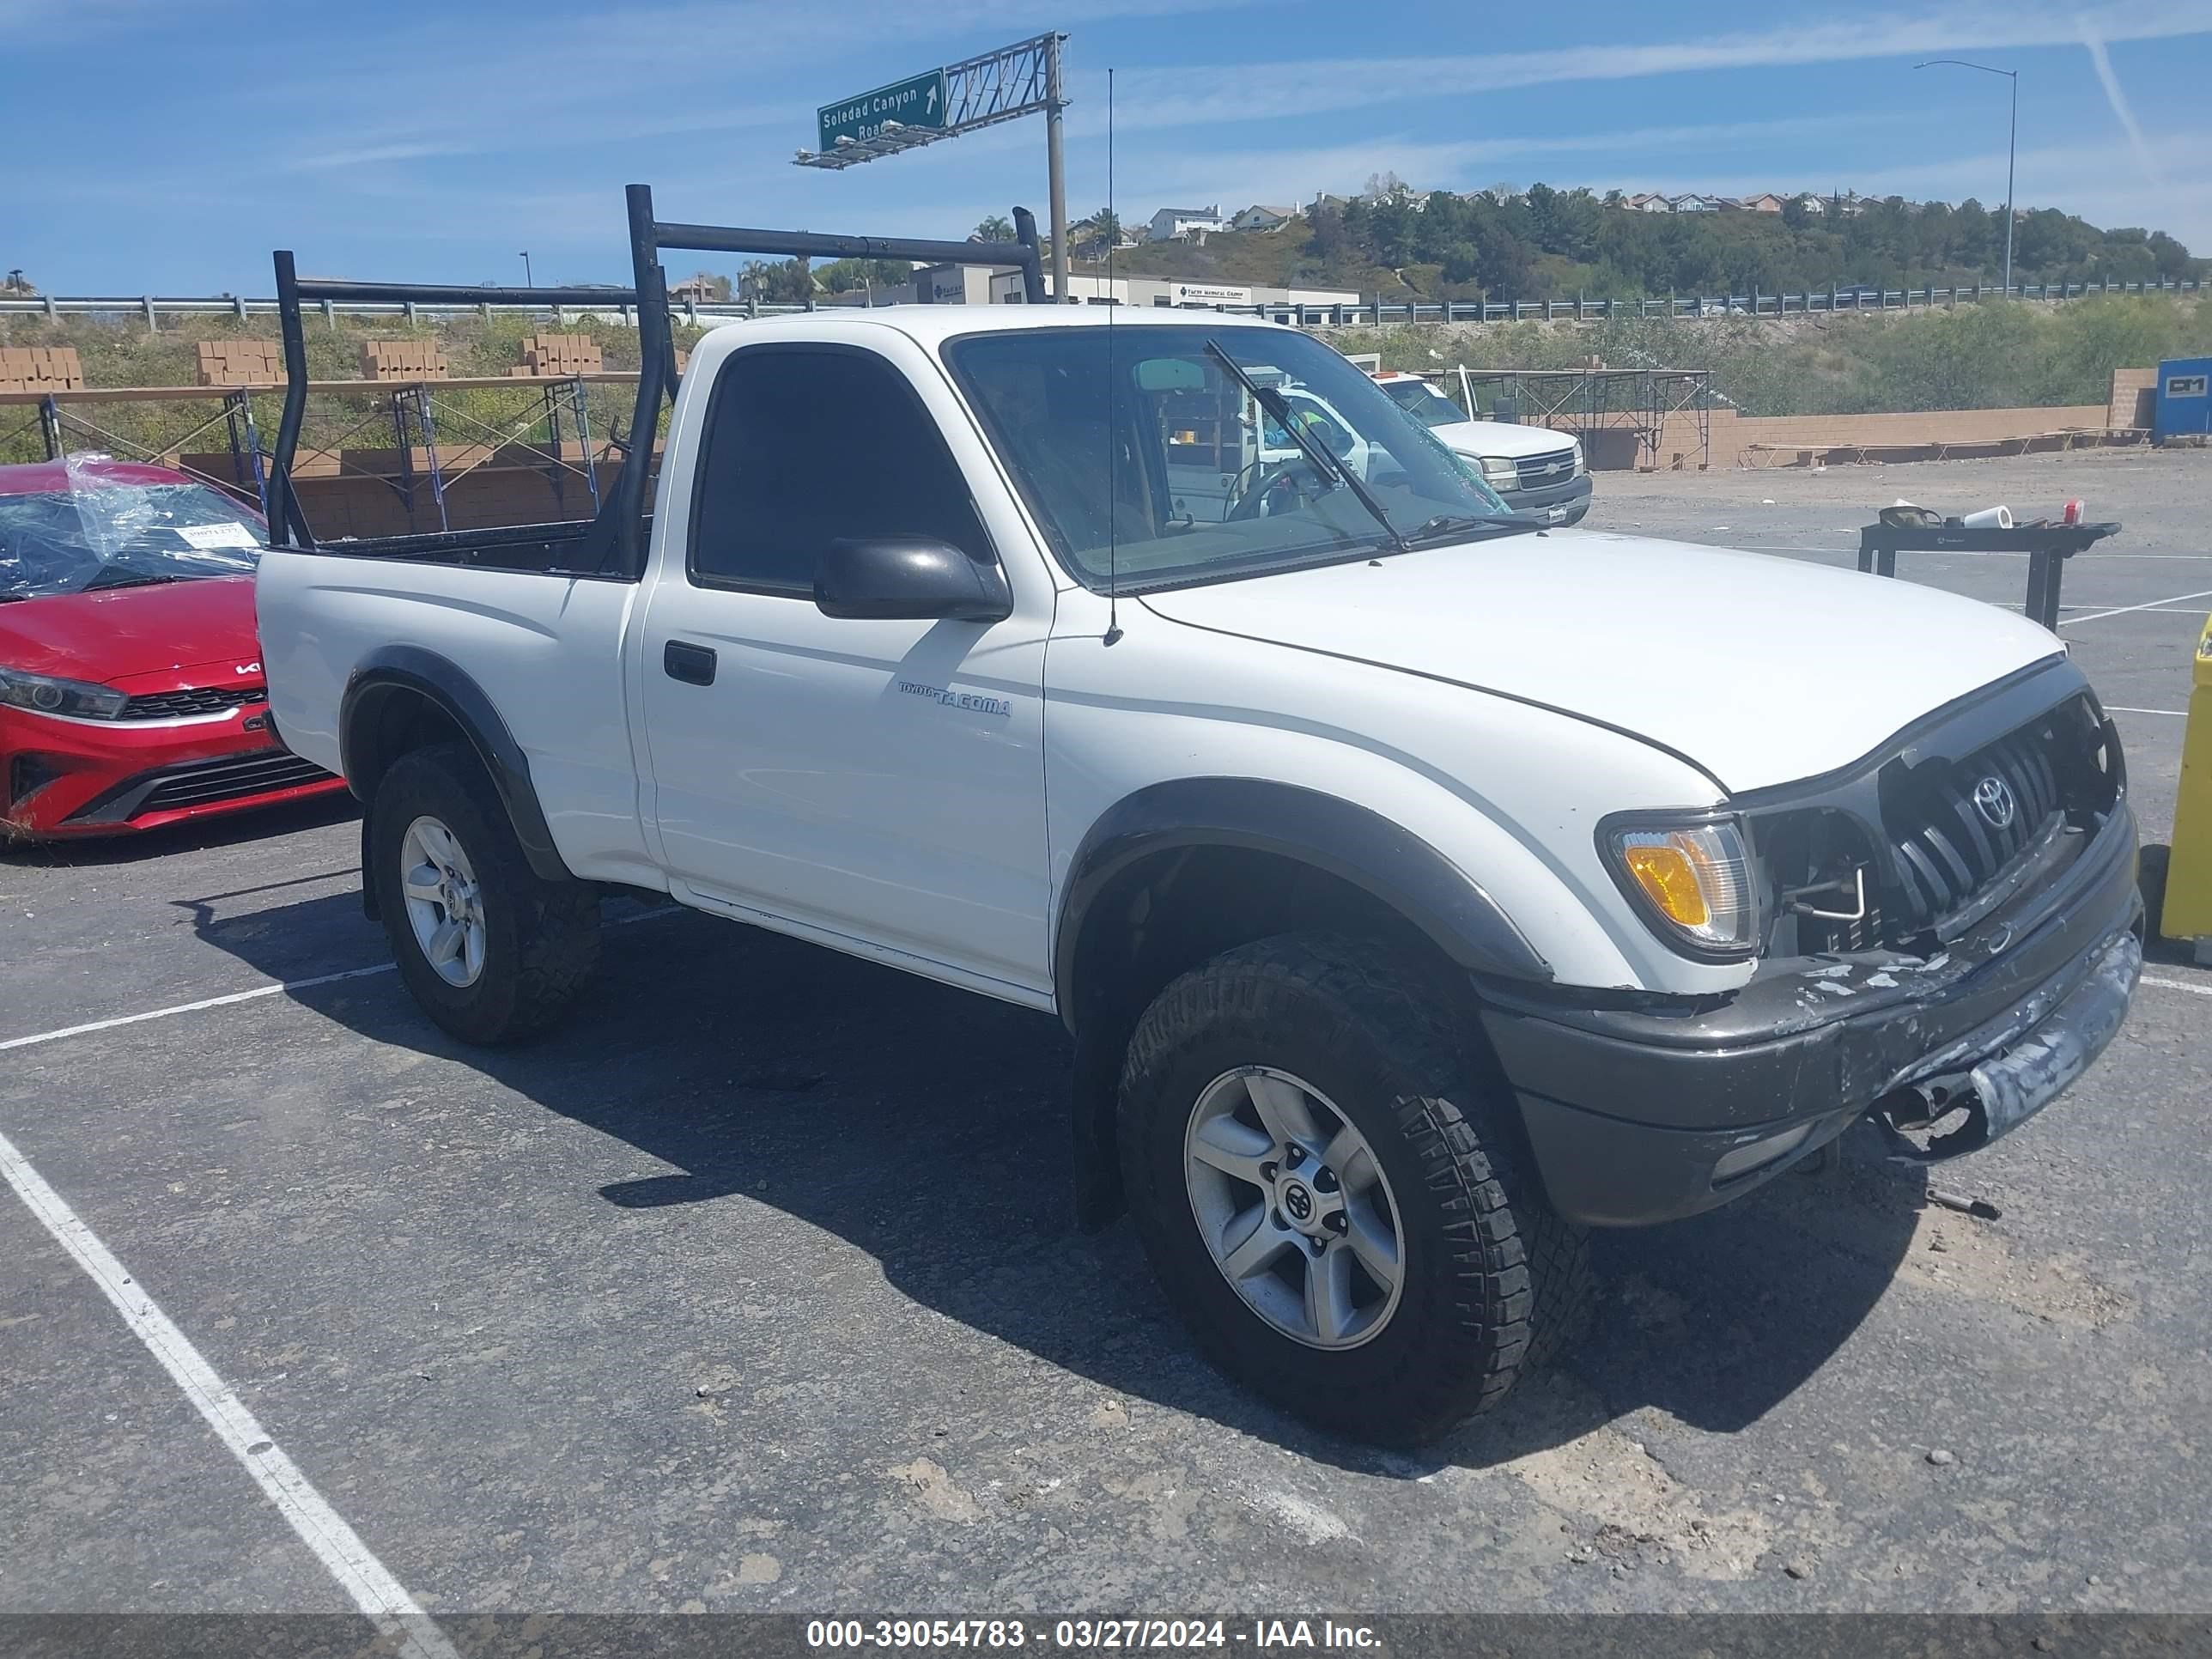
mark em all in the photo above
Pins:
pixel 1185 224
pixel 1195 224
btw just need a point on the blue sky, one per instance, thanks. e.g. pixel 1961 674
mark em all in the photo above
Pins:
pixel 167 148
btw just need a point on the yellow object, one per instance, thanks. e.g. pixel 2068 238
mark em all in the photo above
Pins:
pixel 2188 913
pixel 1666 872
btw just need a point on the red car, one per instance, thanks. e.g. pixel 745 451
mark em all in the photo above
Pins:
pixel 130 687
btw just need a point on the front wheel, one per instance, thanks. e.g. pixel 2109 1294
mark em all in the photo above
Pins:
pixel 1328 1202
pixel 492 950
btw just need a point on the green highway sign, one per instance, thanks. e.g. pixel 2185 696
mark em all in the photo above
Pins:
pixel 916 101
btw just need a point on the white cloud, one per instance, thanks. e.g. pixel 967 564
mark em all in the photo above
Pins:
pixel 1297 174
pixel 2118 99
pixel 1185 97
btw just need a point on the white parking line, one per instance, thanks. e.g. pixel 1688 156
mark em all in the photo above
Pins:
pixel 194 1007
pixel 378 1596
pixel 2171 598
pixel 2177 985
pixel 2121 708
pixel 257 992
pixel 1950 552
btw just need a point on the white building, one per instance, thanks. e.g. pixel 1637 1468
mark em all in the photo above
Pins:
pixel 1256 217
pixel 1696 204
pixel 1185 224
pixel 981 285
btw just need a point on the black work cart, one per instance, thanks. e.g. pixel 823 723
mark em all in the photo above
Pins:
pixel 2048 546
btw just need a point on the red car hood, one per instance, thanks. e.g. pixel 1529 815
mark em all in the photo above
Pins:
pixel 115 636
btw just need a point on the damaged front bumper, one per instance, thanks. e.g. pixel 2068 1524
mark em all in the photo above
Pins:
pixel 1645 1113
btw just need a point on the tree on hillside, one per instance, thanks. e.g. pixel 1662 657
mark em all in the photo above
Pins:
pixel 1094 237
pixel 843 276
pixel 788 281
pixel 1504 264
pixel 996 228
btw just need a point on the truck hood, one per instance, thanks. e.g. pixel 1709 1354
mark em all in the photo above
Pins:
pixel 106 636
pixel 1480 438
pixel 1760 670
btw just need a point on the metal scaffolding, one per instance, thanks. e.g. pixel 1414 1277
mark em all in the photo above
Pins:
pixel 249 480
pixel 558 406
pixel 1642 401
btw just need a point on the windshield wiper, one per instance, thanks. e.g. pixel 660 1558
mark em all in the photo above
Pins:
pixel 1325 461
pixel 127 579
pixel 1447 525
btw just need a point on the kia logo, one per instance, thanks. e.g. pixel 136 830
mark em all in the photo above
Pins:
pixel 1993 800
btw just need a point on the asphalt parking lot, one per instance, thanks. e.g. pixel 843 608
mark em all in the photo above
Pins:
pixel 753 1287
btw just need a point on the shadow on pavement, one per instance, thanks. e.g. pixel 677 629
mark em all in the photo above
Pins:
pixel 926 1126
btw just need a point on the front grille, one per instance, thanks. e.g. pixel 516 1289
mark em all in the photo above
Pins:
pixel 205 700
pixel 228 779
pixel 1906 857
pixel 1538 471
pixel 1954 828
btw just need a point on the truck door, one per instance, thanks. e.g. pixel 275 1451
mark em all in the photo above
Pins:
pixel 861 779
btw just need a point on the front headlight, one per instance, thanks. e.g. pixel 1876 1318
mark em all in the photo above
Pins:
pixel 1693 882
pixel 51 696
pixel 1581 466
pixel 1499 471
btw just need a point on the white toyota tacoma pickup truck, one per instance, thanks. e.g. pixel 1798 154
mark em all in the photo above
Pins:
pixel 1418 887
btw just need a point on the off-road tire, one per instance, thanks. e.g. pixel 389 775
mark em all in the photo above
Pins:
pixel 542 938
pixel 1491 1275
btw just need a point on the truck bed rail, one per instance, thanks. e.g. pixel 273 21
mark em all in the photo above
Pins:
pixel 613 543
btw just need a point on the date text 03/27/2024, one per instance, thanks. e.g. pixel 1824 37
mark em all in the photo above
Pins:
pixel 1260 1636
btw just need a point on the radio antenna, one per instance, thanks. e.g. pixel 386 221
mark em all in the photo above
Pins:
pixel 1113 390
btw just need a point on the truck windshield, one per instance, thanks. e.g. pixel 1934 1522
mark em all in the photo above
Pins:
pixel 1140 452
pixel 115 535
pixel 1424 402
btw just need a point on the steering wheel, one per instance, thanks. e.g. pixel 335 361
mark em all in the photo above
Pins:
pixel 1254 495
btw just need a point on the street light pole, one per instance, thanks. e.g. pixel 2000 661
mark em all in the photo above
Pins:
pixel 2012 144
pixel 526 282
pixel 1056 170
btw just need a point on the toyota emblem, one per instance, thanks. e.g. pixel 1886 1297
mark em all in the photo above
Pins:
pixel 1993 800
pixel 1299 1203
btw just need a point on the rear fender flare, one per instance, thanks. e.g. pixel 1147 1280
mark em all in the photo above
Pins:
pixel 409 670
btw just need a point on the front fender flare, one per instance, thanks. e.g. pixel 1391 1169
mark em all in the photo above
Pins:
pixel 1348 840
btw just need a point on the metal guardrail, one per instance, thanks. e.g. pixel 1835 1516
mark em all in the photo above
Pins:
pixel 153 307
pixel 1367 314
pixel 1375 313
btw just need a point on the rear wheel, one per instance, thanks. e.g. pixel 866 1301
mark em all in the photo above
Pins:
pixel 491 950
pixel 1329 1202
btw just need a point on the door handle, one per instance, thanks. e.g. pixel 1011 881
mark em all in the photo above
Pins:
pixel 694 665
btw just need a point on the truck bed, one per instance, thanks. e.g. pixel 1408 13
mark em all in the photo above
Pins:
pixel 527 547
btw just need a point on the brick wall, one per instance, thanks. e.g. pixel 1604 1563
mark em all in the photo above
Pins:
pixel 39 369
pixel 1734 435
pixel 2134 392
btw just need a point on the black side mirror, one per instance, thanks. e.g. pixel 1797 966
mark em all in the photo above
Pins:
pixel 909 578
